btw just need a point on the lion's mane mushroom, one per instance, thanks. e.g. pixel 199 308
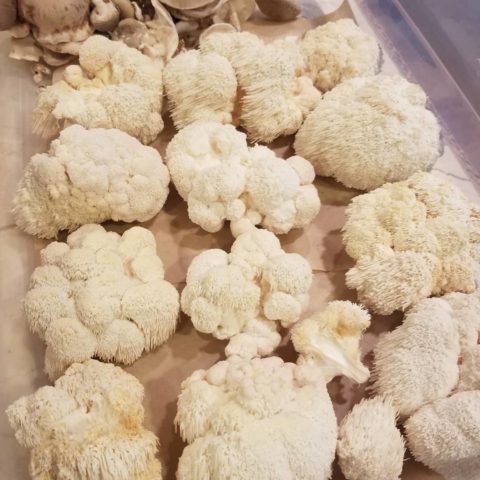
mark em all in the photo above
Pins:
pixel 221 179
pixel 113 87
pixel 265 419
pixel 274 95
pixel 330 339
pixel 90 176
pixel 445 435
pixel 368 131
pixel 245 295
pixel 200 86
pixel 100 295
pixel 432 354
pixel 89 425
pixel 256 419
pixel 411 240
pixel 370 446
pixel 426 372
pixel 338 51
pixel 416 363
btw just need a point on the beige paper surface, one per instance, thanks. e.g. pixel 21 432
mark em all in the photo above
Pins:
pixel 162 371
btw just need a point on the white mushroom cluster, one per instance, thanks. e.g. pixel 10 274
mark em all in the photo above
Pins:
pixel 426 372
pixel 114 86
pixel 275 89
pixel 263 418
pixel 274 95
pixel 370 446
pixel 256 419
pixel 90 176
pixel 222 179
pixel 445 435
pixel 246 294
pixel 200 87
pixel 330 339
pixel 100 295
pixel 369 131
pixel 434 352
pixel 411 240
pixel 89 425
pixel 338 51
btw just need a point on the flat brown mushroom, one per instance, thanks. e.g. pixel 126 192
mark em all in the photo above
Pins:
pixel 280 10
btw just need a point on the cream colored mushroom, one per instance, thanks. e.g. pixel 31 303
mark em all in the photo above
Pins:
pixel 105 16
pixel 280 10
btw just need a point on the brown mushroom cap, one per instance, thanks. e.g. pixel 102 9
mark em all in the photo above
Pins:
pixel 55 22
pixel 280 10
pixel 131 32
pixel 50 16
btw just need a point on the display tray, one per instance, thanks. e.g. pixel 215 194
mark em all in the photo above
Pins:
pixel 162 371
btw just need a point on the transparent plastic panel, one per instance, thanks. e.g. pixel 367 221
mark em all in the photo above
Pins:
pixel 436 44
